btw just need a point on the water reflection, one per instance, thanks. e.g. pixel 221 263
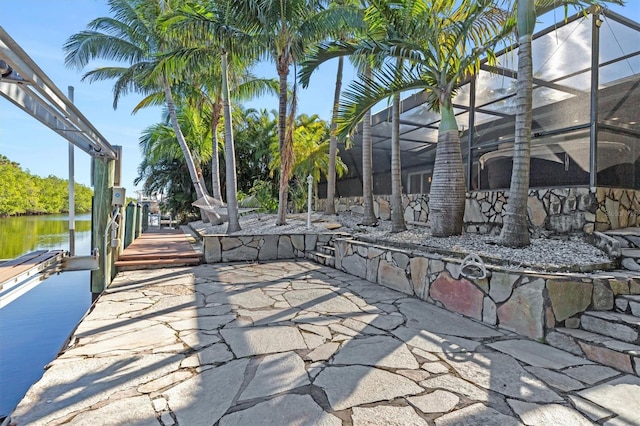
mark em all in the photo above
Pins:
pixel 22 234
pixel 34 327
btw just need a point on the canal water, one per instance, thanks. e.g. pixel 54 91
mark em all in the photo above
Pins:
pixel 34 327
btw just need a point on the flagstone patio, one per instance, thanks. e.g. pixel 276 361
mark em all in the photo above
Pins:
pixel 293 342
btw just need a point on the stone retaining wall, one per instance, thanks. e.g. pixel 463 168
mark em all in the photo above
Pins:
pixel 226 248
pixel 552 210
pixel 525 302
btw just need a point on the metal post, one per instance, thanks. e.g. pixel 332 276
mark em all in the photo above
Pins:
pixel 472 125
pixel 595 82
pixel 309 183
pixel 72 198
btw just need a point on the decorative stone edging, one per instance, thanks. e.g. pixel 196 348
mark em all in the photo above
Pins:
pixel 526 302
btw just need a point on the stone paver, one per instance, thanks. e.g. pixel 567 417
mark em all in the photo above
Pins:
pixel 549 414
pixel 296 343
pixel 385 415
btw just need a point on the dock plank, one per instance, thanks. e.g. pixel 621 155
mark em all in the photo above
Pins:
pixel 159 248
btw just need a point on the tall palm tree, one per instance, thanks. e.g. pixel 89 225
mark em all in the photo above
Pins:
pixel 515 230
pixel 389 21
pixel 131 36
pixel 214 27
pixel 284 28
pixel 344 29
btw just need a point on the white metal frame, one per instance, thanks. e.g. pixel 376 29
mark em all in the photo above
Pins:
pixel 29 88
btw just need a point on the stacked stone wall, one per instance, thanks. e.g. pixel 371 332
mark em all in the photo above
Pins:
pixel 521 301
pixel 550 211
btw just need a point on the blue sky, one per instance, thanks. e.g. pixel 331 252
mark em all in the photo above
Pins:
pixel 41 27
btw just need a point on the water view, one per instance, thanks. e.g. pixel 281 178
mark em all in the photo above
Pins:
pixel 34 327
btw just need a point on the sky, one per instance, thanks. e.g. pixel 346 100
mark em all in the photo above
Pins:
pixel 41 28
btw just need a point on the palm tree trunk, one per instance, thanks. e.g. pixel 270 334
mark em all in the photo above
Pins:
pixel 447 195
pixel 515 231
pixel 397 213
pixel 333 142
pixel 369 218
pixel 285 151
pixel 230 155
pixel 215 156
pixel 193 174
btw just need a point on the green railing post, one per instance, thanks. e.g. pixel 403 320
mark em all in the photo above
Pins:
pixel 145 217
pixel 129 224
pixel 138 227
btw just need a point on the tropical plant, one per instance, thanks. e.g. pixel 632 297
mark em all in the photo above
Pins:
pixel 344 29
pixel 132 37
pixel 161 152
pixel 311 147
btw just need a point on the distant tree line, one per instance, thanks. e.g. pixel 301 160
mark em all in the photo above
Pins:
pixel 22 193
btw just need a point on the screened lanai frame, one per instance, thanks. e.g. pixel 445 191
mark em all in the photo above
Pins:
pixel 581 137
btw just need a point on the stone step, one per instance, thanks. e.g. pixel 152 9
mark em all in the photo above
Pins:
pixel 605 350
pixel 613 324
pixel 321 258
pixel 331 251
pixel 159 255
pixel 628 304
pixel 633 253
pixel 628 237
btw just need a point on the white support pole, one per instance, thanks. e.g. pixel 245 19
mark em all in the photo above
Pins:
pixel 72 198
pixel 309 183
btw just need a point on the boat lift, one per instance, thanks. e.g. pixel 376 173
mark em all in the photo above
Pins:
pixel 25 85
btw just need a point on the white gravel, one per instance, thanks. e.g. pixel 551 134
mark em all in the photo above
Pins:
pixel 543 253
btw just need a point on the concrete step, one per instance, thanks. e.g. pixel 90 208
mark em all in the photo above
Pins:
pixel 605 350
pixel 135 265
pixel 613 324
pixel 628 304
pixel 321 258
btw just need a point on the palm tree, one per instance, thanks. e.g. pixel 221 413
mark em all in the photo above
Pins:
pixel 131 36
pixel 515 230
pixel 443 49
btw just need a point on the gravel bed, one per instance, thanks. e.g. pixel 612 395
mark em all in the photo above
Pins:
pixel 570 253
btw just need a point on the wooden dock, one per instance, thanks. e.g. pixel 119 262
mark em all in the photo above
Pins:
pixel 159 248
